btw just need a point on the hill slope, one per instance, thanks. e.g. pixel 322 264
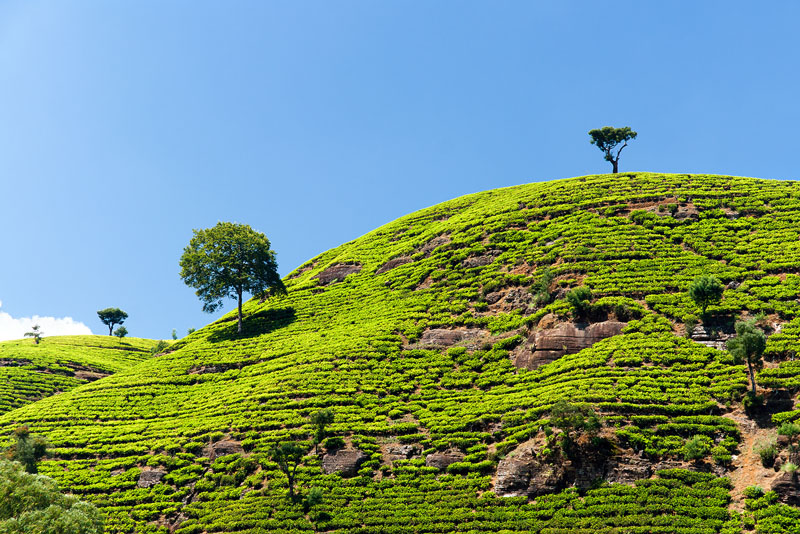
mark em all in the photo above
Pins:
pixel 439 342
pixel 29 372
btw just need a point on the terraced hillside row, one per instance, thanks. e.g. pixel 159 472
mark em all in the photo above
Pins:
pixel 29 372
pixel 441 341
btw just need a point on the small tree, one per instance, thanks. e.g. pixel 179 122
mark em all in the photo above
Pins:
pixel 580 300
pixel 31 503
pixel 697 448
pixel 748 347
pixel 228 260
pixel 706 290
pixel 121 332
pixel 112 316
pixel 573 419
pixel 608 138
pixel 35 333
pixel 288 456
pixel 27 449
pixel 321 420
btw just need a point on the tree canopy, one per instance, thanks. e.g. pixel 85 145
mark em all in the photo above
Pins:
pixel 608 138
pixel 228 260
pixel 706 290
pixel 111 317
pixel 31 503
pixel 748 347
pixel 27 449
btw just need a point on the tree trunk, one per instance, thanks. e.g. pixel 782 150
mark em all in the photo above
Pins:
pixel 110 328
pixel 615 163
pixel 752 377
pixel 240 310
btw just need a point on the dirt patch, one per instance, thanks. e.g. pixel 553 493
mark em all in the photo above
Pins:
pixel 747 469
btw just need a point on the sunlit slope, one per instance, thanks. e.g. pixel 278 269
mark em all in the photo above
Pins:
pixel 354 334
pixel 29 372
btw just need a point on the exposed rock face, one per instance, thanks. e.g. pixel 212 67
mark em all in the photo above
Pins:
pixel 545 346
pixel 443 337
pixel 150 477
pixel 787 486
pixel 514 299
pixel 223 448
pixel 344 461
pixel 399 451
pixel 440 460
pixel 522 473
pixel 337 273
pixel 14 362
pixel 434 243
pixel 391 264
pixel 479 261
pixel 709 338
pixel 89 376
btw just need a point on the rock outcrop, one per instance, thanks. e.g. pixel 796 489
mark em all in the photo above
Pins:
pixel 444 337
pixel 337 273
pixel 391 264
pixel 150 477
pixel 545 346
pixel 398 451
pixel 223 448
pixel 787 486
pixel 440 460
pixel 344 461
pixel 434 243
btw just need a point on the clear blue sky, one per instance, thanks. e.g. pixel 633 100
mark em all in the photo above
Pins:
pixel 124 125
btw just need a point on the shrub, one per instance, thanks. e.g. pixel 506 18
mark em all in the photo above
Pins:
pixel 696 448
pixel 767 452
pixel 580 298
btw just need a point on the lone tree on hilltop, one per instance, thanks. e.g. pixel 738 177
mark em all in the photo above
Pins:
pixel 607 138
pixel 35 333
pixel 227 260
pixel 706 290
pixel 112 316
pixel 121 332
pixel 748 347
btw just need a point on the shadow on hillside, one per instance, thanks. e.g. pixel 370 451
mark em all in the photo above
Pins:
pixel 253 325
pixel 775 401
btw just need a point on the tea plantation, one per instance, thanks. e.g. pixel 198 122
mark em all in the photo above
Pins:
pixel 410 335
pixel 29 372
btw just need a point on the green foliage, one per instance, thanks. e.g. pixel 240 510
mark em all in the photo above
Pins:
pixel 112 316
pixel 32 504
pixel 748 347
pixel 580 300
pixel 27 449
pixel 706 290
pixel 288 456
pixel 35 333
pixel 608 138
pixel 767 451
pixel 121 332
pixel 697 448
pixel 228 260
pixel 321 420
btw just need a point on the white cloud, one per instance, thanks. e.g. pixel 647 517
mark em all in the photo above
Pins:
pixel 15 327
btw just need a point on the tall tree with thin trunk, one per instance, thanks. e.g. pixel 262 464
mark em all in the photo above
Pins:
pixel 228 260
pixel 748 347
pixel 608 139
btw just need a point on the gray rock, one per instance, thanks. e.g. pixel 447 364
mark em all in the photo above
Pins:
pixel 399 451
pixel 548 345
pixel 391 264
pixel 443 337
pixel 434 243
pixel 337 273
pixel 787 486
pixel 223 448
pixel 440 460
pixel 150 477
pixel 344 461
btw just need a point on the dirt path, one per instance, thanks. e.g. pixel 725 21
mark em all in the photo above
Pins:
pixel 747 469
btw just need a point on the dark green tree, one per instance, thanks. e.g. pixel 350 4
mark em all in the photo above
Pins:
pixel 32 504
pixel 580 300
pixel 706 290
pixel 572 420
pixel 27 449
pixel 321 420
pixel 748 347
pixel 35 333
pixel 288 456
pixel 608 138
pixel 227 261
pixel 121 332
pixel 112 316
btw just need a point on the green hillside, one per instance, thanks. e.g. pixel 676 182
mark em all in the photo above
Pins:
pixel 29 372
pixel 425 337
